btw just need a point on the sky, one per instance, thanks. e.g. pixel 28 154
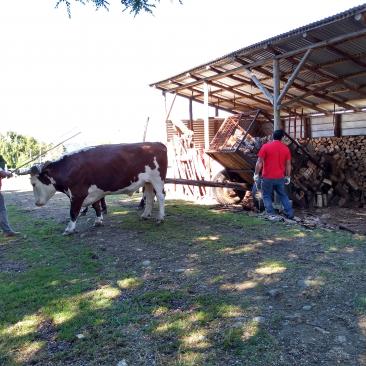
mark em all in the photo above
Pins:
pixel 91 73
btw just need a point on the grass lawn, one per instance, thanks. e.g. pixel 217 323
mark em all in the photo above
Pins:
pixel 208 287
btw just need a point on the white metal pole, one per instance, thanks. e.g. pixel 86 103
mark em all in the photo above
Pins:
pixel 205 124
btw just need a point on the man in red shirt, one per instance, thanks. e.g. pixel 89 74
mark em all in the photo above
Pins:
pixel 4 224
pixel 274 160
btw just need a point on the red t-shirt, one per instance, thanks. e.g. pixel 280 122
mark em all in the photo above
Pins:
pixel 274 155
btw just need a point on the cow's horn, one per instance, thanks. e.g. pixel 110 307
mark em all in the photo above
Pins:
pixel 22 171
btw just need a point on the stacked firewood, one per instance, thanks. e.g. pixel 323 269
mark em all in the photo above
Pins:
pixel 349 154
pixel 327 171
pixel 332 173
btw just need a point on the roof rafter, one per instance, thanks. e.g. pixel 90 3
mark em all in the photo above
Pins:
pixel 296 85
pixel 278 51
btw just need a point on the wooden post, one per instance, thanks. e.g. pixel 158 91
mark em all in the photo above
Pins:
pixel 207 132
pixel 337 125
pixel 276 112
pixel 307 128
pixel 276 93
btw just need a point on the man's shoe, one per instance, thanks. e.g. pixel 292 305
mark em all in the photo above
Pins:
pixel 274 218
pixel 11 234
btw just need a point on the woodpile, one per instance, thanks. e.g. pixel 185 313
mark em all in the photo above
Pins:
pixel 326 171
pixel 336 175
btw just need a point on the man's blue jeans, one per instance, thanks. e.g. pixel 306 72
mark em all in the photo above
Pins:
pixel 276 185
pixel 4 224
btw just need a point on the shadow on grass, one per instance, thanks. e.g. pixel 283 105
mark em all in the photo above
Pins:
pixel 205 288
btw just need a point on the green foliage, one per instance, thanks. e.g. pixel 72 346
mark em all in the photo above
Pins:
pixel 134 6
pixel 17 149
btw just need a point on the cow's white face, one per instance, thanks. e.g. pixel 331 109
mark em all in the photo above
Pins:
pixel 42 192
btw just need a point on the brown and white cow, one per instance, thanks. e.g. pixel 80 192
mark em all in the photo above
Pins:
pixel 90 174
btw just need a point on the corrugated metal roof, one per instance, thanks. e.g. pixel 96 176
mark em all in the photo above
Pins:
pixel 332 78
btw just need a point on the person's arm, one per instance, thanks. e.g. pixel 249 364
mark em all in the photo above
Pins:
pixel 258 169
pixel 258 166
pixel 288 168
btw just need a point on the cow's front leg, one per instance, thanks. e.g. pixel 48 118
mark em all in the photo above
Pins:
pixel 149 200
pixel 160 195
pixel 98 211
pixel 74 213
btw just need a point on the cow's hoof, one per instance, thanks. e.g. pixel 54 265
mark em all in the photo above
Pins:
pixel 68 232
pixel 159 221
pixel 98 223
pixel 145 217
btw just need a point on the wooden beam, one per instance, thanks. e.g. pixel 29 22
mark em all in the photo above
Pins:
pixel 308 93
pixel 232 90
pixel 244 95
pixel 293 76
pixel 336 50
pixel 326 85
pixel 260 86
pixel 241 94
pixel 318 95
pixel 226 109
pixel 240 80
pixel 276 92
pixel 206 183
pixel 308 104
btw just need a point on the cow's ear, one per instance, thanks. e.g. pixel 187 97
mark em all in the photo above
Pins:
pixel 45 165
pixel 34 170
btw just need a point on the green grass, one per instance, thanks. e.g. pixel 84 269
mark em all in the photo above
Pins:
pixel 337 241
pixel 69 301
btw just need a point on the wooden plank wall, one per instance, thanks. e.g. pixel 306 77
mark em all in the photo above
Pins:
pixel 351 124
pixel 198 129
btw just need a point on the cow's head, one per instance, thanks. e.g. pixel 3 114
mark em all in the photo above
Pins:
pixel 43 183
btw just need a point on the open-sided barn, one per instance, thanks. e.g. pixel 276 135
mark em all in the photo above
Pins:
pixel 311 81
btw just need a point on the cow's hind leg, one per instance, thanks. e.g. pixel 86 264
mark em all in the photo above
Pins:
pixel 98 211
pixel 84 211
pixel 103 206
pixel 149 200
pixel 160 195
pixel 74 213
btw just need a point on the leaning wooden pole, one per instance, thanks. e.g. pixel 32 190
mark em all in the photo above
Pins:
pixel 206 183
